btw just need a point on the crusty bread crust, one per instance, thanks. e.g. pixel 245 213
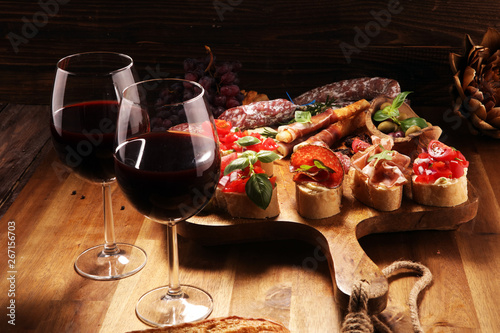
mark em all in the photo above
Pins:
pixel 239 205
pixel 318 203
pixel 381 198
pixel 449 194
pixel 231 324
pixel 268 168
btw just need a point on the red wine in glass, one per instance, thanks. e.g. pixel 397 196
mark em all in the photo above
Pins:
pixel 85 104
pixel 84 138
pixel 168 175
pixel 161 174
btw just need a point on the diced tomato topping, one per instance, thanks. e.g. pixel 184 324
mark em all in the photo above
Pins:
pixel 461 159
pixel 236 181
pixel 273 181
pixel 439 161
pixel 223 127
pixel 237 185
pixel 456 169
pixel 441 152
pixel 240 178
pixel 225 160
pixel 359 145
pixel 269 144
pixel 228 138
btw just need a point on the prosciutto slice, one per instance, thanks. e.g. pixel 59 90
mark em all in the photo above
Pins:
pixel 289 133
pixel 393 172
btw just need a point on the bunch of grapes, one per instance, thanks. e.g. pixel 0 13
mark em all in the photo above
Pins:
pixel 167 112
pixel 220 81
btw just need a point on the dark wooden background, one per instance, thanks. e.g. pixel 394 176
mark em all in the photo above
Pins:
pixel 285 46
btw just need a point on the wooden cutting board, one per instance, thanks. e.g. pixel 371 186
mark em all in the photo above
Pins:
pixel 337 236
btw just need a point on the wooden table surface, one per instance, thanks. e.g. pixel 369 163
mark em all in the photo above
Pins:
pixel 49 216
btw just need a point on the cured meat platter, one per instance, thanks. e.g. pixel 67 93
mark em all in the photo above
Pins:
pixel 337 236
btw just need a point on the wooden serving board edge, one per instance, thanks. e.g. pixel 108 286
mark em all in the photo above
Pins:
pixel 337 236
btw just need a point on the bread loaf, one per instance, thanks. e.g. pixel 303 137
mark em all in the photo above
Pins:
pixel 231 324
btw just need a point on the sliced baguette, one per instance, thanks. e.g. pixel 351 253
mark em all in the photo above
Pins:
pixel 268 168
pixel 316 201
pixel 450 193
pixel 239 205
pixel 231 324
pixel 380 197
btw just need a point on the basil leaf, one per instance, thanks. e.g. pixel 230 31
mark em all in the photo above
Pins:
pixel 303 116
pixel 266 156
pixel 384 155
pixel 306 167
pixel 252 159
pixel 259 189
pixel 248 141
pixel 248 153
pixel 380 116
pixel 238 164
pixel 400 99
pixel 386 113
pixel 409 122
pixel 321 165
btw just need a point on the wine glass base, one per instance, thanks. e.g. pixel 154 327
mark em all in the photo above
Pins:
pixel 157 308
pixel 93 263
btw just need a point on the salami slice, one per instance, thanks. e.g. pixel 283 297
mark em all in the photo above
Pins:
pixel 259 114
pixel 306 156
pixel 351 90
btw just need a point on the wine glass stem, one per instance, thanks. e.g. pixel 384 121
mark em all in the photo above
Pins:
pixel 110 247
pixel 174 287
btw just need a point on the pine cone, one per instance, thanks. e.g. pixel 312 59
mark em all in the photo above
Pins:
pixel 477 83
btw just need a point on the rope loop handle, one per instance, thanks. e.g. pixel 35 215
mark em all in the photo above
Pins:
pixel 358 321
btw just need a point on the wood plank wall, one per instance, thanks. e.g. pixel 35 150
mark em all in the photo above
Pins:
pixel 285 46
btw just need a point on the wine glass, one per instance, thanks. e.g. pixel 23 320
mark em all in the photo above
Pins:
pixel 168 174
pixel 85 103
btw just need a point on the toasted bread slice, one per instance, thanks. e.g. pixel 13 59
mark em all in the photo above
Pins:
pixel 231 324
pixel 316 201
pixel 443 193
pixel 380 197
pixel 239 205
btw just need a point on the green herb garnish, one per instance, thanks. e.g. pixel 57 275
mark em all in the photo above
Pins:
pixel 258 187
pixel 318 164
pixel 304 113
pixel 392 112
pixel 384 155
pixel 302 116
pixel 248 141
pixel 269 133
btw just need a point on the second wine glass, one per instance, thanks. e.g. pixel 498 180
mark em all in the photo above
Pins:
pixel 85 102
pixel 168 174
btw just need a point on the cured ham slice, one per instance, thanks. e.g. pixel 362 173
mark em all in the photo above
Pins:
pixel 289 133
pixel 379 175
pixel 330 135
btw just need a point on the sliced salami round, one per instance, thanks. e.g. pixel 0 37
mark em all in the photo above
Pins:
pixel 317 164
